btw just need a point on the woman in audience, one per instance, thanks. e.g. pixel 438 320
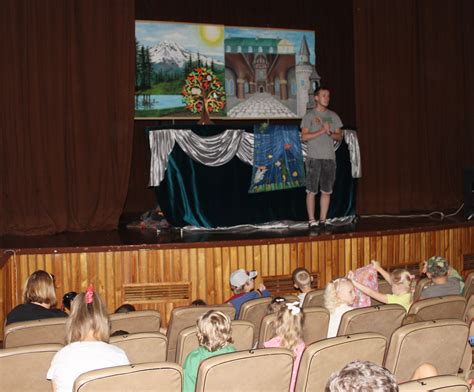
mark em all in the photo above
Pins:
pixel 214 336
pixel 402 283
pixel 39 299
pixel 87 336
pixel 289 334
pixel 339 297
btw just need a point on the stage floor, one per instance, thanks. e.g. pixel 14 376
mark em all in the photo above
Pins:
pixel 171 238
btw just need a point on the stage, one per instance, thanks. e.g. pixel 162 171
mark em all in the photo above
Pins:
pixel 173 267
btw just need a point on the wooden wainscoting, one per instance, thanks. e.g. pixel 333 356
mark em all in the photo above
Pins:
pixel 207 269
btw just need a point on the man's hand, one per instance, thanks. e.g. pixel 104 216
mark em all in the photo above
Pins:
pixel 261 287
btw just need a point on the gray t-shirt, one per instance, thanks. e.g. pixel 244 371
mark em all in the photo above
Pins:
pixel 451 287
pixel 321 147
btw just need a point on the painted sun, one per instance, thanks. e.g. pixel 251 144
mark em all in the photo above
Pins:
pixel 211 34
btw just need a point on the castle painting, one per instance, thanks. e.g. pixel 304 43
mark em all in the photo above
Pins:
pixel 268 73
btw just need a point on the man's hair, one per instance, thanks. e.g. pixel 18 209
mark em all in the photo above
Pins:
pixel 362 376
pixel 39 287
pixel 301 277
pixel 214 330
pixel 319 88
pixel 125 308
pixel 87 317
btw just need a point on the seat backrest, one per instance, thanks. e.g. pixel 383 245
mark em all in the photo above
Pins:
pixel 441 343
pixel 327 356
pixel 469 310
pixel 242 335
pixel 419 287
pixel 44 331
pixel 142 347
pixel 469 286
pixel 451 306
pixel 438 383
pixel 383 319
pixel 254 311
pixel 267 369
pixel 136 321
pixel 314 298
pixel 186 316
pixel 25 368
pixel 384 288
pixel 152 376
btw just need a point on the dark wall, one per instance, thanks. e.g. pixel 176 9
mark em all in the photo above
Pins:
pixel 331 21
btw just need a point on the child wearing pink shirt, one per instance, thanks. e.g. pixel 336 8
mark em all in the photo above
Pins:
pixel 289 334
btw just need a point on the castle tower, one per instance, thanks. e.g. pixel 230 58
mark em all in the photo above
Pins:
pixel 303 71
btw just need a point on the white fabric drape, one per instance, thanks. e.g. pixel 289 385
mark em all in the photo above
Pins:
pixel 219 149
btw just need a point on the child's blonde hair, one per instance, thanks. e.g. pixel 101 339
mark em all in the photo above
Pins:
pixel 301 278
pixel 331 299
pixel 39 287
pixel 276 304
pixel 289 325
pixel 404 278
pixel 87 317
pixel 214 330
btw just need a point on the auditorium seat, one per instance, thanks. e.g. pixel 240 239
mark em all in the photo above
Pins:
pixel 44 331
pixel 242 335
pixel 269 369
pixel 436 308
pixel 142 347
pixel 469 286
pixel 151 376
pixel 441 343
pixel 469 310
pixel 314 298
pixel 186 316
pixel 383 319
pixel 327 356
pixel 254 311
pixel 25 368
pixel 438 383
pixel 136 322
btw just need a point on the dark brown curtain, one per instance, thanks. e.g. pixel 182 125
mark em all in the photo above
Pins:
pixel 414 102
pixel 67 77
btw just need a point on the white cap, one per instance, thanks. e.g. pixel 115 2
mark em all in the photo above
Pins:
pixel 240 277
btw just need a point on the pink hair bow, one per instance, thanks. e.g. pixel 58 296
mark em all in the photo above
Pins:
pixel 89 294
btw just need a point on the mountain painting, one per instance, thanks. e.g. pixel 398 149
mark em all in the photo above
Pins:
pixel 165 53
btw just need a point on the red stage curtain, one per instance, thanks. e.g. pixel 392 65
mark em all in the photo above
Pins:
pixel 67 81
pixel 414 102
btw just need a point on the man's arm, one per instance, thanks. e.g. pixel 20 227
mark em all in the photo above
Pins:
pixel 307 135
pixel 337 134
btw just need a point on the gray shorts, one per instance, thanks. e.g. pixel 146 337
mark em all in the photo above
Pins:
pixel 320 173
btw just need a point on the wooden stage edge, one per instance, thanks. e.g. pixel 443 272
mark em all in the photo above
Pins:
pixel 161 271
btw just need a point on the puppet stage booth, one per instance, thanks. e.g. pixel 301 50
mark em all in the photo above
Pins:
pixel 211 190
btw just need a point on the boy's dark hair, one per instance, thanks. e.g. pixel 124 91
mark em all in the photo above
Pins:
pixel 198 302
pixel 125 308
pixel 119 332
pixel 68 298
pixel 319 88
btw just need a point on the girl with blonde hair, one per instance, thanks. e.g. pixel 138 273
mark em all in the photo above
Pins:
pixel 339 297
pixel 39 299
pixel 289 334
pixel 87 337
pixel 215 338
pixel 401 281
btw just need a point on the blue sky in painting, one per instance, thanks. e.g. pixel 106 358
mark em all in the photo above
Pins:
pixel 293 36
pixel 186 34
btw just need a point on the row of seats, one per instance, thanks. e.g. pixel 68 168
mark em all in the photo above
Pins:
pixel 440 342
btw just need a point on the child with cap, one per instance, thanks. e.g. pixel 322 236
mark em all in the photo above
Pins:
pixel 243 286
pixel 442 284
pixel 302 281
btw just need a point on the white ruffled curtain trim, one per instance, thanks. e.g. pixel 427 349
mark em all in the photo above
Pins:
pixel 219 149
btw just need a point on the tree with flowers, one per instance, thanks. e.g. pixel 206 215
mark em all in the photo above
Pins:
pixel 203 92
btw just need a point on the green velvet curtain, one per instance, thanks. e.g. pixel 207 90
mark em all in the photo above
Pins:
pixel 195 194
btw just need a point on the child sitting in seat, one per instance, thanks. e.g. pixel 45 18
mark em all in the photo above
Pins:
pixel 302 280
pixel 444 280
pixel 339 297
pixel 243 286
pixel 214 335
pixel 401 281
pixel 289 334
pixel 87 336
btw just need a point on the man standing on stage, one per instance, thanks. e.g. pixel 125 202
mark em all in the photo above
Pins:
pixel 319 128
